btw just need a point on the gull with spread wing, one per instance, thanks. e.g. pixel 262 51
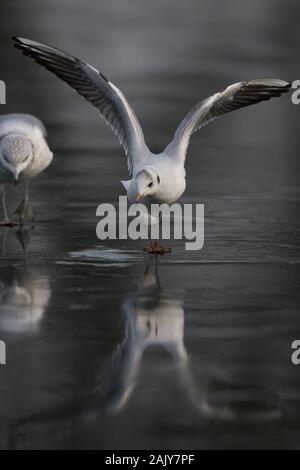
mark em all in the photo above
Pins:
pixel 154 177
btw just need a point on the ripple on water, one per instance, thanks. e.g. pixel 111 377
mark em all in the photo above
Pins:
pixel 107 257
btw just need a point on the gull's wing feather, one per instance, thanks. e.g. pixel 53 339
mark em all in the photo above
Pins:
pixel 95 88
pixel 231 98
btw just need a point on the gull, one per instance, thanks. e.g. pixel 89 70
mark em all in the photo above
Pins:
pixel 24 153
pixel 154 177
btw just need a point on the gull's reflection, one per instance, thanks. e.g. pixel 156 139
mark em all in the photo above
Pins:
pixel 24 296
pixel 22 234
pixel 153 317
pixel 24 293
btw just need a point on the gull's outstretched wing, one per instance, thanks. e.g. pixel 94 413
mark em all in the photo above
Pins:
pixel 95 88
pixel 231 98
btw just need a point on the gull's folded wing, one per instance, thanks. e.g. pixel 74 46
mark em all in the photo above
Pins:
pixel 231 98
pixel 95 88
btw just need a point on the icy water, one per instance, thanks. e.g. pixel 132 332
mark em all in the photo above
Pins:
pixel 105 350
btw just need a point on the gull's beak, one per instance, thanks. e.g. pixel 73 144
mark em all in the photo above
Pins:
pixel 139 197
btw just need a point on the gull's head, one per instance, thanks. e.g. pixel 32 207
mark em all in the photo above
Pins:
pixel 16 153
pixel 147 183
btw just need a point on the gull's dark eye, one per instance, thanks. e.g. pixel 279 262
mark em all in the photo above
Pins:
pixel 150 184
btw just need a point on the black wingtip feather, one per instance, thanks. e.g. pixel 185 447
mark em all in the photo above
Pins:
pixel 43 53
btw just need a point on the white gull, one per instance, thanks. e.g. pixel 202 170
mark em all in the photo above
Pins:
pixel 24 153
pixel 154 177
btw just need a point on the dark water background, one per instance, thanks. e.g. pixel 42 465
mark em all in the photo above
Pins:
pixel 100 353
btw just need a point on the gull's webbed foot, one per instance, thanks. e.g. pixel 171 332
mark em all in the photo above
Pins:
pixel 25 210
pixel 154 248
